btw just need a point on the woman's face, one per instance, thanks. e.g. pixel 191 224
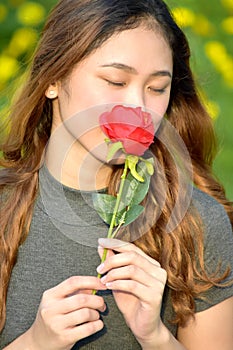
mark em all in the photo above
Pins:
pixel 133 67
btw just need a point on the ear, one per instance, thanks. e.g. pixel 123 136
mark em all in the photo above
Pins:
pixel 52 91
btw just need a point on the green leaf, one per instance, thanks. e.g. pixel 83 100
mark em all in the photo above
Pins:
pixel 132 162
pixel 133 194
pixel 150 166
pixel 133 213
pixel 135 191
pixel 120 218
pixel 104 204
pixel 116 146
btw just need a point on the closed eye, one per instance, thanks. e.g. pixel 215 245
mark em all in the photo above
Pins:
pixel 115 83
pixel 158 91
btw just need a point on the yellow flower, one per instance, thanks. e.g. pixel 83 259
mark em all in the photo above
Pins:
pixel 202 26
pixel 228 4
pixel 183 16
pixel 213 109
pixel 31 13
pixel 3 12
pixel 22 40
pixel 221 60
pixel 216 52
pixel 9 66
pixel 227 25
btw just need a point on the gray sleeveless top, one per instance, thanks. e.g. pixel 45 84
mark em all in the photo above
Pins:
pixel 63 242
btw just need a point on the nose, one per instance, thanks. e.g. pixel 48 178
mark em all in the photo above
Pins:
pixel 135 96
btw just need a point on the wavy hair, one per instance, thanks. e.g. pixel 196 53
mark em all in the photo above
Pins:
pixel 74 29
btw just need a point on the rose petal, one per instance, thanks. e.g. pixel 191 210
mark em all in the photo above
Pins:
pixel 132 126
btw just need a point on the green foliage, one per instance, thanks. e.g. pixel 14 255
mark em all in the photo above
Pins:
pixel 134 191
pixel 209 27
pixel 20 25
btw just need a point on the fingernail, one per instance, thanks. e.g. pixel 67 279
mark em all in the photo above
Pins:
pixel 100 268
pixel 111 242
pixel 109 285
pixel 103 279
pixel 103 308
pixel 102 242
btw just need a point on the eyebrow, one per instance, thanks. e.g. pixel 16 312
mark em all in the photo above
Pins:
pixel 131 70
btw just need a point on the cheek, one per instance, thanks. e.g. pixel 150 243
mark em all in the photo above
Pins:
pixel 94 142
pixel 84 128
pixel 159 105
pixel 87 92
pixel 78 98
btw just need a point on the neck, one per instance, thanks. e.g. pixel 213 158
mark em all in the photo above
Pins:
pixel 72 165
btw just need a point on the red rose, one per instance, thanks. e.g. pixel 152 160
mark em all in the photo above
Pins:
pixel 133 127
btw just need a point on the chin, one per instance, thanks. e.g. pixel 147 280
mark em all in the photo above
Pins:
pixel 117 161
pixel 101 156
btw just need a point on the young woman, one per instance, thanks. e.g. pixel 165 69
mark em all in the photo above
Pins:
pixel 162 291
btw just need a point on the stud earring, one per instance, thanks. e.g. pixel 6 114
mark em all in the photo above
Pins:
pixel 51 92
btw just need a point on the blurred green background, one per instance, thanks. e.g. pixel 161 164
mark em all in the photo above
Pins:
pixel 207 24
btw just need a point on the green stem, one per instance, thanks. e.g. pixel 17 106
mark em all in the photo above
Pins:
pixel 118 201
pixel 113 220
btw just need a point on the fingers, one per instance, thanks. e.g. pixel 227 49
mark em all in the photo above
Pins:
pixel 74 316
pixel 63 330
pixel 132 279
pixel 73 284
pixel 132 270
pixel 78 301
pixel 121 246
pixel 101 251
pixel 131 257
pixel 85 330
pixel 129 272
pixel 67 313
pixel 80 316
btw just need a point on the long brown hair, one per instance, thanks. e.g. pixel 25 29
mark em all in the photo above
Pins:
pixel 73 30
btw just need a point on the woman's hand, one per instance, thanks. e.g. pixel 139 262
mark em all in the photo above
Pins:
pixel 137 282
pixel 67 313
